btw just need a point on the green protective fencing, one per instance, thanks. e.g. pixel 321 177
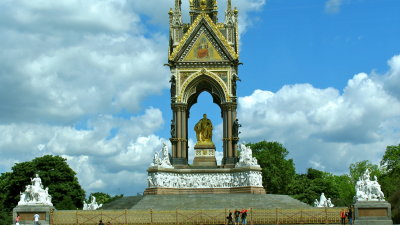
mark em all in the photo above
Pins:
pixel 178 216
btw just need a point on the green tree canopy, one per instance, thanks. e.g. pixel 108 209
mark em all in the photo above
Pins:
pixel 390 178
pixel 308 187
pixel 277 171
pixel 346 190
pixel 102 198
pixel 55 173
pixel 391 159
pixel 357 170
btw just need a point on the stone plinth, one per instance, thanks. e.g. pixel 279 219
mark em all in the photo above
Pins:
pixel 218 202
pixel 372 212
pixel 163 181
pixel 183 191
pixel 26 213
pixel 204 156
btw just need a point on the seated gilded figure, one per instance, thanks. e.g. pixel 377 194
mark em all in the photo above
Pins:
pixel 204 130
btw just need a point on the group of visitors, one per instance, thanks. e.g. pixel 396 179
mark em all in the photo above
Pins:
pixel 346 214
pixel 35 219
pixel 101 223
pixel 239 216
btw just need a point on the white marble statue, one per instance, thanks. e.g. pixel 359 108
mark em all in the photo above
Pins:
pixel 316 203
pixel 329 203
pixel 93 205
pixel 246 157
pixel 34 194
pixel 367 189
pixel 323 202
pixel 204 180
pixel 161 159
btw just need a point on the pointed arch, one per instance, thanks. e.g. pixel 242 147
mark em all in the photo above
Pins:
pixel 204 81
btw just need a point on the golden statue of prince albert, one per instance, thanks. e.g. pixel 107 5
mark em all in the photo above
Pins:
pixel 204 130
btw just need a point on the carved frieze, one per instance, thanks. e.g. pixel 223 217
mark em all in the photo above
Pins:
pixel 204 180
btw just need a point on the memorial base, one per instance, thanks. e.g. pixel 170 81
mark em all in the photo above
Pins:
pixel 182 191
pixel 167 181
pixel 26 213
pixel 373 212
pixel 204 157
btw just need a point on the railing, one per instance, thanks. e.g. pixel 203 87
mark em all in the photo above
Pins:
pixel 255 216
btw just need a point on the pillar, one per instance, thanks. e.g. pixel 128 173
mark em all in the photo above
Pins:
pixel 229 143
pixel 179 142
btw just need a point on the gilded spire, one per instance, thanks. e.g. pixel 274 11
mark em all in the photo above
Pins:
pixel 178 4
pixel 203 4
pixel 229 5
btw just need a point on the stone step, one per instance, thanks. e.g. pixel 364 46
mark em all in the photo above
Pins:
pixel 122 203
pixel 218 201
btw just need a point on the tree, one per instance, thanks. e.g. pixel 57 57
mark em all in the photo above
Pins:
pixel 102 198
pixel 390 179
pixel 346 190
pixel 55 173
pixel 357 169
pixel 277 171
pixel 5 217
pixel 391 159
pixel 308 187
pixel 395 202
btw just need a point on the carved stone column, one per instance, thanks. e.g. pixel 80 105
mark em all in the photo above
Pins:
pixel 179 143
pixel 229 114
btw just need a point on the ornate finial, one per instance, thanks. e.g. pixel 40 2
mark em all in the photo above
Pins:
pixel 229 5
pixel 170 12
pixel 178 4
pixel 203 4
pixel 236 11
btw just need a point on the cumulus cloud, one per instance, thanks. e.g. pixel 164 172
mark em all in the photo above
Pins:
pixel 62 60
pixel 392 78
pixel 67 68
pixel 326 128
pixel 111 147
pixel 73 77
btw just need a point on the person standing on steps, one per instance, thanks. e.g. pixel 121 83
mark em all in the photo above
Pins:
pixel 237 215
pixel 36 219
pixel 17 219
pixel 343 216
pixel 229 218
pixel 244 216
pixel 350 216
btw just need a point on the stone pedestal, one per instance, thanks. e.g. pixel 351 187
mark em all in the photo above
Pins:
pixel 165 181
pixel 26 213
pixel 205 156
pixel 372 213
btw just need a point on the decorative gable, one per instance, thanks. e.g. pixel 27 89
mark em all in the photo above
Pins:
pixel 203 48
pixel 203 42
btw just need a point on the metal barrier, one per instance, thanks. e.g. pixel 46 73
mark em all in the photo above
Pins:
pixel 255 216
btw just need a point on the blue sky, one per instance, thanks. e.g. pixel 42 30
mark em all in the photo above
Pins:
pixel 85 79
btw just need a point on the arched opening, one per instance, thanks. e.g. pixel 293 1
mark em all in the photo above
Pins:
pixel 182 132
pixel 203 105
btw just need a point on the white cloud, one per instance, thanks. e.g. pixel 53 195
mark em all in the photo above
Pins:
pixel 68 68
pixel 333 6
pixel 392 78
pixel 325 128
pixel 55 70
pixel 93 153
